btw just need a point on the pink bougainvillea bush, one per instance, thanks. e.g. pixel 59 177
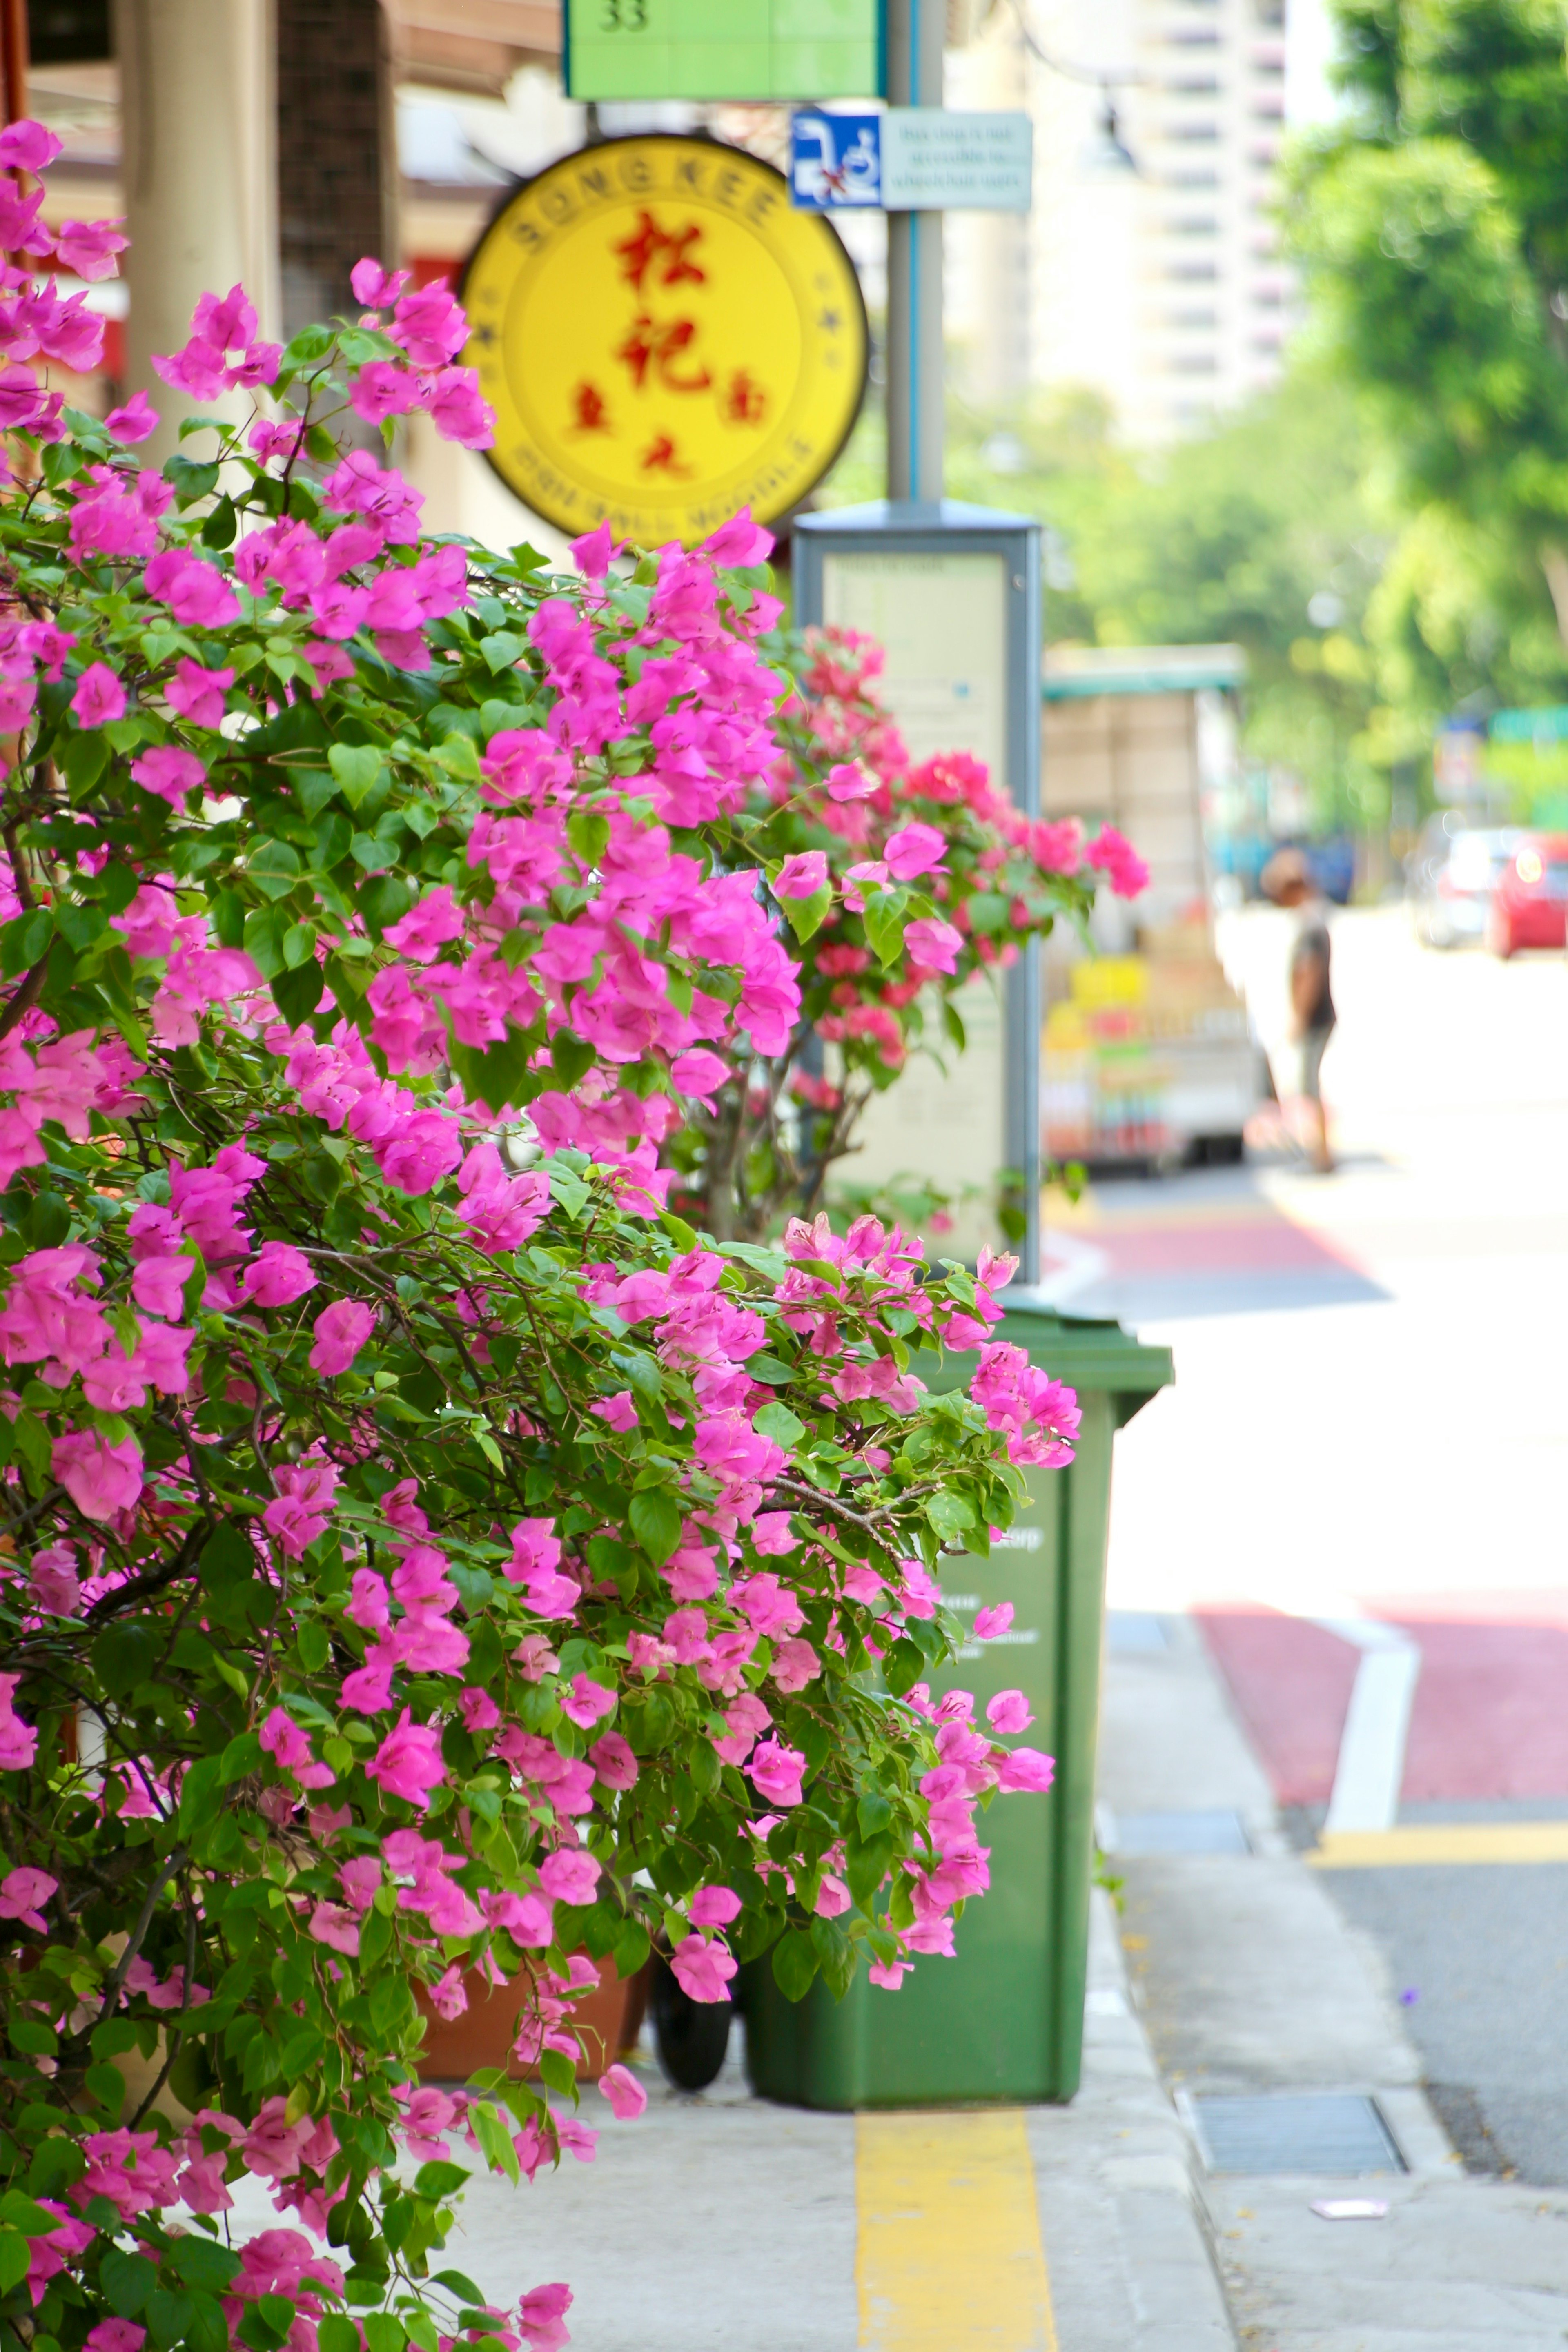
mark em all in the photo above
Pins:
pixel 900 881
pixel 423 1551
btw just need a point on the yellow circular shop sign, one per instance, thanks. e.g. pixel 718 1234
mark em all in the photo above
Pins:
pixel 663 340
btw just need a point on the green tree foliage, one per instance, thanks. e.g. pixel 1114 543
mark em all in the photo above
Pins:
pixel 1431 227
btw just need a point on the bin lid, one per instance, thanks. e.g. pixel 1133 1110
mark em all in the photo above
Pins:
pixel 1087 1352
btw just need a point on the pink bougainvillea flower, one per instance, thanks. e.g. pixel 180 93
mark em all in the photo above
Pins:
pixel 1120 863
pixel 304 1504
pixel 775 1772
pixel 587 1702
pixel 619 1410
pixel 21 1892
pixel 1009 1711
pixel 408 1762
pixel 569 1876
pixel 613 1761
pixel 136 420
pixel 540 2316
pixel 992 1620
pixel 935 945
pixel 27 146
pixel 703 1968
pixel 1026 1769
pixel 18 1740
pixel 114 2335
pixel 713 1906
pixel 100 1478
pixel 53 1581
pixel 169 773
pixel 99 697
pixel 802 876
pixel 276 1276
pixel 624 2093
pixel 913 850
pixel 341 1332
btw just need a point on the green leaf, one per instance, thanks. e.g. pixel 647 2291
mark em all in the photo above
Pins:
pixel 795 1963
pixel 777 1421
pixel 949 1514
pixel 656 1522
pixel 884 921
pixel 201 2263
pixel 805 916
pixel 502 650
pixel 263 939
pixel 457 2283
pixel 191 480
pixel 169 2317
pixel 274 868
pixel 438 2179
pixel 122 1656
pixel 873 1812
pixel 128 2280
pixel 382 2333
pixel 296 993
pixel 312 343
pixel 495 2141
pixel 84 757
pixel 572 1056
pixel 337 2333
pixel 24 941
pixel 219 529
pixel 15 2258
pixel 241 1755
pixel 589 833
pixel 23 2213
pixel 201 1794
pixel 358 767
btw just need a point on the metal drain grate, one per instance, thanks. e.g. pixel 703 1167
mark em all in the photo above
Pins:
pixel 1338 2133
pixel 1200 1833
pixel 1131 1633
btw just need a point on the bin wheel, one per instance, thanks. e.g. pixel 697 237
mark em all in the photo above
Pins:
pixel 692 2037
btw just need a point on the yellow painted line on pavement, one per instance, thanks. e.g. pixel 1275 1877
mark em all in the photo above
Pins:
pixel 1438 1843
pixel 948 2251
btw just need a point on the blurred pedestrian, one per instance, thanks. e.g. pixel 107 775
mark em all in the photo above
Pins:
pixel 1289 880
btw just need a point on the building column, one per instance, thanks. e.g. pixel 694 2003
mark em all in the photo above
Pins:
pixel 198 109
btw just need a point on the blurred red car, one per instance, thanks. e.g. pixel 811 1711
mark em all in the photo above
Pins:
pixel 1529 902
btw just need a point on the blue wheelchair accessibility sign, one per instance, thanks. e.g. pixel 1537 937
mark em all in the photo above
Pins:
pixel 835 161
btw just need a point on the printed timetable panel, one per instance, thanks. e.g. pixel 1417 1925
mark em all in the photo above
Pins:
pixel 724 48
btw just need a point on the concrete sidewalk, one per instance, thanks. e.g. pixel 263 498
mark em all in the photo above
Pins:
pixel 1253 1984
pixel 718 2221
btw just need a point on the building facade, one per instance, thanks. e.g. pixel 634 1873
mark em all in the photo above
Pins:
pixel 1150 267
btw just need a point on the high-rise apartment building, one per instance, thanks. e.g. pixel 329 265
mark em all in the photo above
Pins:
pixel 1149 265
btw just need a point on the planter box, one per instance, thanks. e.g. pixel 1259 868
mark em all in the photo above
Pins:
pixel 609 2019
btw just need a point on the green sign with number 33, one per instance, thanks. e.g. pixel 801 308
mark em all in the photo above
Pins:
pixel 795 50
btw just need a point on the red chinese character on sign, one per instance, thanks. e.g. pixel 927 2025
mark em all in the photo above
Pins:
pixel 651 349
pixel 589 412
pixel 744 401
pixel 659 457
pixel 664 252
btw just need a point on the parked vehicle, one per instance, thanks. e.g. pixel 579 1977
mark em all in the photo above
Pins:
pixel 1453 873
pixel 1530 904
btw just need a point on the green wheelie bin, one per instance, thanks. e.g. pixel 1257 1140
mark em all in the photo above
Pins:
pixel 1004 2019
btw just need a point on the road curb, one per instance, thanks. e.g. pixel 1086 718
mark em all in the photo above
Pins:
pixel 1132 2265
